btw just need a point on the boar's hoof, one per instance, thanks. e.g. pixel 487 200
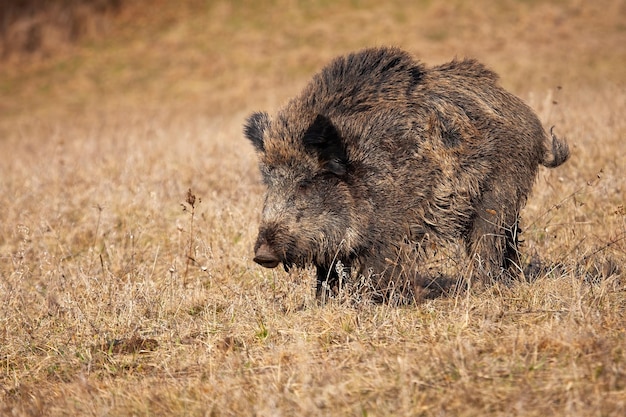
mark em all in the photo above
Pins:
pixel 265 257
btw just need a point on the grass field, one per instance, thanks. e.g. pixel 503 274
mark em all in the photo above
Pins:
pixel 121 295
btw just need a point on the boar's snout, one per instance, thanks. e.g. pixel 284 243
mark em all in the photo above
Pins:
pixel 266 257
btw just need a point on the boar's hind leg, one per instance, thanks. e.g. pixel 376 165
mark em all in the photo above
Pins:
pixel 492 242
pixel 511 260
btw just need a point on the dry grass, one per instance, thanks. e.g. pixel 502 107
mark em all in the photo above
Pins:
pixel 111 304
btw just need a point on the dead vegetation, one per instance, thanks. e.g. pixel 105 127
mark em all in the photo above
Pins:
pixel 114 300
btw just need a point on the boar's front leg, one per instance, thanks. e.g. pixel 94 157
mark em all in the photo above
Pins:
pixel 327 281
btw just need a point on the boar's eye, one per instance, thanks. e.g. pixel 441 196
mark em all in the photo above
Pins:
pixel 303 187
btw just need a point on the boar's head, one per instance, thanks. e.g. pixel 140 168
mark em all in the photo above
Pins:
pixel 308 213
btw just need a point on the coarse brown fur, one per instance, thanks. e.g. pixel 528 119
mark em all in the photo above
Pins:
pixel 379 150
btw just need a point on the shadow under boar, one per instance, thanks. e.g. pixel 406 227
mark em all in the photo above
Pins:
pixel 379 150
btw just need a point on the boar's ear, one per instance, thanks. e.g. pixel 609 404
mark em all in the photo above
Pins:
pixel 324 139
pixel 255 127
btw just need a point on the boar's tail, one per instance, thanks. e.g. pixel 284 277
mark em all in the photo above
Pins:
pixel 559 153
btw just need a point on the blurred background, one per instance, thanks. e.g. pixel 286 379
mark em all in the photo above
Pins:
pixel 67 57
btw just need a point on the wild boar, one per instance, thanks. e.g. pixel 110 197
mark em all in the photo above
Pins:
pixel 380 150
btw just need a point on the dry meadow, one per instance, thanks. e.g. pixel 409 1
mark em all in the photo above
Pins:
pixel 129 202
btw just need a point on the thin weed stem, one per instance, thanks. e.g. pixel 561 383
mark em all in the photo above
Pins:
pixel 191 200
